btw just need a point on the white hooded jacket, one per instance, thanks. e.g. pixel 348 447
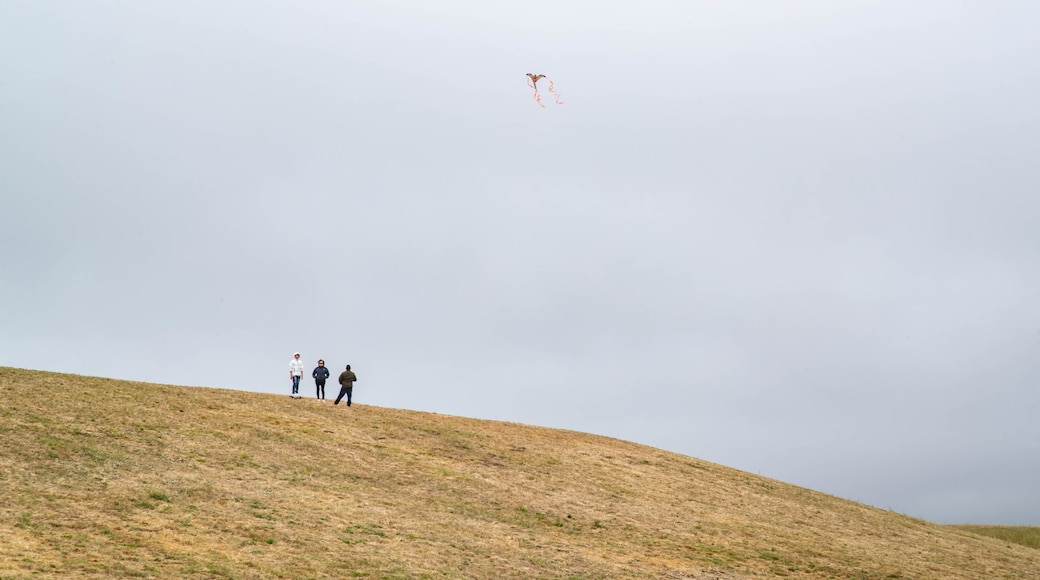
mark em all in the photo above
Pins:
pixel 296 366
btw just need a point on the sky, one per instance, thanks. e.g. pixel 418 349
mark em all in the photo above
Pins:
pixel 795 238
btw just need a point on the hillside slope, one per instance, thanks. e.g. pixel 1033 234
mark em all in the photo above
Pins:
pixel 106 478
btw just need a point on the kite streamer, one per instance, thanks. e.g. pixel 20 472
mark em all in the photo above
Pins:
pixel 554 93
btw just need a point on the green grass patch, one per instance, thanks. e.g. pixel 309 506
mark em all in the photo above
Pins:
pixel 1022 535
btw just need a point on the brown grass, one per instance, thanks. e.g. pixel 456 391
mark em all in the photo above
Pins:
pixel 103 478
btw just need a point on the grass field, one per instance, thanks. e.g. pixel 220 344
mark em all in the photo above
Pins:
pixel 103 478
pixel 1024 535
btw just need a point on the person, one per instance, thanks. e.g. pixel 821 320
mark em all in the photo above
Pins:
pixel 346 384
pixel 295 372
pixel 320 373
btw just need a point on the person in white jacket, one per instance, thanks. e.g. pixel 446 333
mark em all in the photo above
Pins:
pixel 295 373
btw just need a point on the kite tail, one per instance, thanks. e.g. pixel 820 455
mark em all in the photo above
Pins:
pixel 554 93
pixel 538 98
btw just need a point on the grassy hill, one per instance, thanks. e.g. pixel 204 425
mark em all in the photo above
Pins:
pixel 103 478
pixel 1025 535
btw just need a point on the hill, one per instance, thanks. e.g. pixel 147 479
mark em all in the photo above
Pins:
pixel 104 478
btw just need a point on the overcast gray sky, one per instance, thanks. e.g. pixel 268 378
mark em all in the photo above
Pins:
pixel 796 238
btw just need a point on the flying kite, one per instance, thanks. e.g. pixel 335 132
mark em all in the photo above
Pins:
pixel 532 81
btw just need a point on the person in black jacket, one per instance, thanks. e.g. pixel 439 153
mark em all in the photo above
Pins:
pixel 346 383
pixel 320 374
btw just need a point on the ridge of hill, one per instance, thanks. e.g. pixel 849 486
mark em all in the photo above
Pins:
pixel 104 478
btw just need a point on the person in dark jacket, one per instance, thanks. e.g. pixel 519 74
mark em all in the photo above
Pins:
pixel 320 373
pixel 346 385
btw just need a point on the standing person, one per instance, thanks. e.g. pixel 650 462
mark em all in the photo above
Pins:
pixel 295 372
pixel 320 373
pixel 346 384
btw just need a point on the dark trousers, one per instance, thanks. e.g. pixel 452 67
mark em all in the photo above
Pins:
pixel 319 384
pixel 348 391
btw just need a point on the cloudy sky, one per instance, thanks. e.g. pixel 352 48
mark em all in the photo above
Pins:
pixel 796 238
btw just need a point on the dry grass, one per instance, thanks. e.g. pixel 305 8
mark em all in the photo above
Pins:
pixel 102 478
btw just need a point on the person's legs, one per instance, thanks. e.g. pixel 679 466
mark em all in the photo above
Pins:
pixel 342 391
pixel 350 391
pixel 320 388
pixel 296 384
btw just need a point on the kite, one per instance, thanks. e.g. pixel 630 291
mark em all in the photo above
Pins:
pixel 532 81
